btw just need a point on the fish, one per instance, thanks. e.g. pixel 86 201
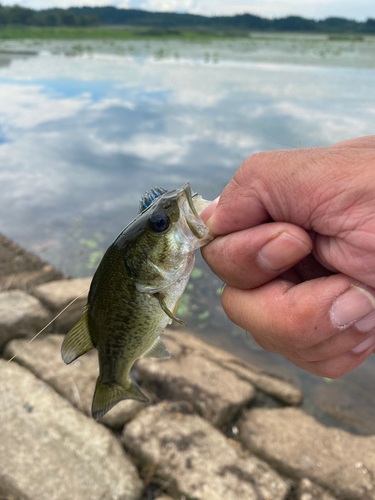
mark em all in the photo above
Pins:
pixel 135 292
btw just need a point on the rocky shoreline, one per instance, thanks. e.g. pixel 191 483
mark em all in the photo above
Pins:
pixel 216 427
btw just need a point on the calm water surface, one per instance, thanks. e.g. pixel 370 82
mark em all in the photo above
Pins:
pixel 86 128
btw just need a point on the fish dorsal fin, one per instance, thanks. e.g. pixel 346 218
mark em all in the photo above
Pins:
pixel 149 197
pixel 107 396
pixel 78 341
pixel 158 350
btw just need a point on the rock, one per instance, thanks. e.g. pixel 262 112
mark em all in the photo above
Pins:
pixel 307 490
pixel 21 269
pixel 21 315
pixel 214 392
pixel 76 382
pixel 196 460
pixel 50 451
pixel 26 280
pixel 278 388
pixel 300 447
pixel 58 294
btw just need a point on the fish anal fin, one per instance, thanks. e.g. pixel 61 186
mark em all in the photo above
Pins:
pixel 78 341
pixel 107 396
pixel 169 313
pixel 158 350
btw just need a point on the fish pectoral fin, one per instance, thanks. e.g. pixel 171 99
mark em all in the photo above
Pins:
pixel 166 310
pixel 107 396
pixel 158 350
pixel 78 341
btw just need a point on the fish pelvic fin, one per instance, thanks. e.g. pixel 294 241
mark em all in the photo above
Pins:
pixel 78 341
pixel 169 313
pixel 158 350
pixel 107 396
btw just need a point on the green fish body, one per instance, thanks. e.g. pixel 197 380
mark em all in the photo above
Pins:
pixel 135 291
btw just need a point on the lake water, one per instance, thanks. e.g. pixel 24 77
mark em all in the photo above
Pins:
pixel 87 127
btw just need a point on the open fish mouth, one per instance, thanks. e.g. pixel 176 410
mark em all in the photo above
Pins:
pixel 191 205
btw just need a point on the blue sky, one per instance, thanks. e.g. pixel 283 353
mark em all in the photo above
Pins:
pixel 317 9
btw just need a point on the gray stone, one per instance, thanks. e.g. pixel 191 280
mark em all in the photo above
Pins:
pixel 76 382
pixel 300 447
pixel 21 315
pixel 214 392
pixel 26 280
pixel 58 294
pixel 196 460
pixel 21 269
pixel 278 388
pixel 307 490
pixel 50 451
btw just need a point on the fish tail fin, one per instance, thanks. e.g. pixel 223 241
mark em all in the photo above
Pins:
pixel 78 341
pixel 107 396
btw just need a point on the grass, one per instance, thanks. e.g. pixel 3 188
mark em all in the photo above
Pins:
pixel 346 37
pixel 116 33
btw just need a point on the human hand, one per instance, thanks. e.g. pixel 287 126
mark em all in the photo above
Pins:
pixel 304 284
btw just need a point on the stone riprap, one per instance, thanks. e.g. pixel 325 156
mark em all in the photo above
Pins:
pixel 49 450
pixel 213 392
pixel 300 447
pixel 21 315
pixel 50 447
pixel 56 295
pixel 22 270
pixel 196 460
pixel 277 388
pixel 76 382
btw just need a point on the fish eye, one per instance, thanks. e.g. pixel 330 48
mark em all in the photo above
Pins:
pixel 159 222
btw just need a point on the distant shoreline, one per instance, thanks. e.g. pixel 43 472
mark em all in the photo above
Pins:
pixel 119 32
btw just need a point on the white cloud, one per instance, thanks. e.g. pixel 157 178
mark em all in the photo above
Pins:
pixel 171 5
pixel 26 106
pixel 64 4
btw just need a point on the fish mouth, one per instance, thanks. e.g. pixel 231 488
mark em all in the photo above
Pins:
pixel 192 217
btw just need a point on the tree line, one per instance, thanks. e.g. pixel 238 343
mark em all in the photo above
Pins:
pixel 95 16
pixel 24 16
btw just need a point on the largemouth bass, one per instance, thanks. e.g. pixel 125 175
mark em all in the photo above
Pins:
pixel 135 291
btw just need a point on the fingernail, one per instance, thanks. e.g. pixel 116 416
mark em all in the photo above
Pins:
pixel 367 323
pixel 352 306
pixel 282 251
pixel 364 345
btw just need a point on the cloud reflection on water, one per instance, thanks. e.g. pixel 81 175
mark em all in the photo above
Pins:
pixel 85 136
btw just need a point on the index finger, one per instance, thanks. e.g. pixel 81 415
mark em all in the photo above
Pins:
pixel 295 186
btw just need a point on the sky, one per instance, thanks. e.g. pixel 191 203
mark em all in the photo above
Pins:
pixel 313 9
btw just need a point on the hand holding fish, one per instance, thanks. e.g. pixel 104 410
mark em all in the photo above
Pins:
pixel 303 284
